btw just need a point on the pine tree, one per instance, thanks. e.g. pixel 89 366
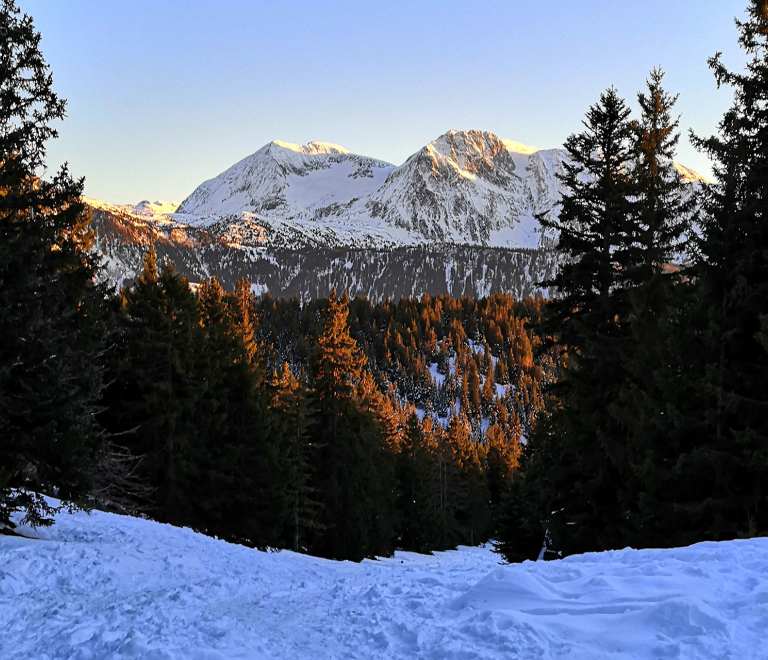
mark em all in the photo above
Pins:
pixel 466 497
pixel 295 415
pixel 383 427
pixel 52 315
pixel 502 458
pixel 418 493
pixel 242 310
pixel 349 443
pixel 221 455
pixel 665 207
pixel 721 412
pixel 519 531
pixel 156 369
pixel 577 451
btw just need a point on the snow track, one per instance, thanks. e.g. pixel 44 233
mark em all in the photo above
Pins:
pixel 113 587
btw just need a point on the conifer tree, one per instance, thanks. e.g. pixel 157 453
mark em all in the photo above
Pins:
pixel 418 501
pixel 383 422
pixel 156 371
pixel 350 446
pixel 52 316
pixel 225 456
pixel 242 310
pixel 577 452
pixel 466 511
pixel 721 416
pixel 295 418
pixel 502 457
pixel 664 209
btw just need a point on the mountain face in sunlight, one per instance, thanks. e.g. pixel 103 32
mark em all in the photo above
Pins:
pixel 466 187
pixel 450 219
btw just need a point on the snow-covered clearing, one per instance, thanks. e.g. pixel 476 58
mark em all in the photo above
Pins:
pixel 114 587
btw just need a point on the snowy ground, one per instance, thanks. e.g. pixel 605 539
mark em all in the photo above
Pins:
pixel 112 587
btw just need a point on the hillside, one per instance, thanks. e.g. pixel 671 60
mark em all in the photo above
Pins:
pixel 109 586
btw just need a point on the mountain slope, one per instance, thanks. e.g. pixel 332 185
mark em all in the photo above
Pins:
pixel 465 187
pixel 470 187
pixel 290 181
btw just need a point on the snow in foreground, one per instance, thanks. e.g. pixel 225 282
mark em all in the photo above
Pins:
pixel 107 586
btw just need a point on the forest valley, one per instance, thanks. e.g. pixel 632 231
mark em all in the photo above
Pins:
pixel 630 409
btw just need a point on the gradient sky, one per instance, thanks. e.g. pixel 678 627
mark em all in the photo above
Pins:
pixel 165 94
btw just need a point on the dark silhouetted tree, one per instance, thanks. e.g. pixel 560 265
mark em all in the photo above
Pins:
pixel 52 319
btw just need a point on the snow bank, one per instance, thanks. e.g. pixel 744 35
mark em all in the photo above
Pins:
pixel 113 587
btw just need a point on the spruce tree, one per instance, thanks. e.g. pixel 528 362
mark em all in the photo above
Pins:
pixel 418 493
pixel 382 429
pixel 664 211
pixel 467 498
pixel 721 420
pixel 349 443
pixel 156 387
pixel 577 455
pixel 220 455
pixel 52 319
pixel 294 417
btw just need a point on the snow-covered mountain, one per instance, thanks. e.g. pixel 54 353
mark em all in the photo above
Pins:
pixel 466 188
pixel 470 187
pixel 144 209
pixel 123 238
pixel 290 181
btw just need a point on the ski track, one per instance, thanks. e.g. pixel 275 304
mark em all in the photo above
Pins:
pixel 114 587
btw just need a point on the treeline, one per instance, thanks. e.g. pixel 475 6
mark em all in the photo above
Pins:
pixel 309 442
pixel 656 435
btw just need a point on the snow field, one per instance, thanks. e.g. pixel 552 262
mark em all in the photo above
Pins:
pixel 103 586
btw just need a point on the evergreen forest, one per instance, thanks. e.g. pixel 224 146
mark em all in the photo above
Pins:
pixel 630 409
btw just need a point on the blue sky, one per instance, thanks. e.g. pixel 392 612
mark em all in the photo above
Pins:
pixel 165 94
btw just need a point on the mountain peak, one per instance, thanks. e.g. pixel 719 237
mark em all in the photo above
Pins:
pixel 690 176
pixel 464 152
pixel 157 207
pixel 466 186
pixel 519 148
pixel 466 149
pixel 311 148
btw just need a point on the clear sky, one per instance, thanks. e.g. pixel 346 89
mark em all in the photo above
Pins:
pixel 164 94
